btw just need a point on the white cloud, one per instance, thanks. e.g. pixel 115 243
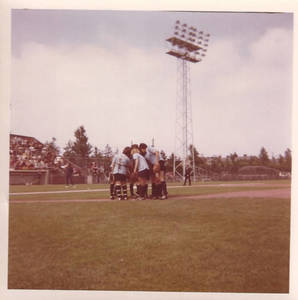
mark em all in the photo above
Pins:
pixel 241 99
pixel 274 48
pixel 117 98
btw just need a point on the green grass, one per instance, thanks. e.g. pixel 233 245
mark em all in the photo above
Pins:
pixel 61 187
pixel 214 245
pixel 54 187
pixel 74 193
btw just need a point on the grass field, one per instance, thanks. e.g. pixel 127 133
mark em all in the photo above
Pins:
pixel 101 191
pixel 179 244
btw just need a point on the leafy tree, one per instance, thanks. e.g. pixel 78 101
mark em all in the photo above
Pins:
pixel 254 161
pixel 281 162
pixel 232 163
pixel 198 160
pixel 52 150
pixel 107 157
pixel 97 154
pixel 217 165
pixel 242 161
pixel 81 145
pixel 69 152
pixel 288 160
pixel 52 147
pixel 170 162
pixel 274 163
pixel 264 158
pixel 79 151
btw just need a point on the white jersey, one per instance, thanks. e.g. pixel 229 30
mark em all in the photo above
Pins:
pixel 142 162
pixel 121 164
pixel 150 155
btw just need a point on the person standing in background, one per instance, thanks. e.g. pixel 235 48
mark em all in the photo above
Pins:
pixel 68 174
pixel 188 173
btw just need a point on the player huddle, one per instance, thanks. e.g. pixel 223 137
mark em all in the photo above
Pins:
pixel 138 165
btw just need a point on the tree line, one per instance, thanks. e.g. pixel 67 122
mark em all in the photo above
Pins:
pixel 232 163
pixel 82 153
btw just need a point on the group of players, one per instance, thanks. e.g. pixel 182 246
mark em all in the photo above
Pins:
pixel 138 165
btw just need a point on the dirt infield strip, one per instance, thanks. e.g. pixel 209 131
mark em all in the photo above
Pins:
pixel 274 193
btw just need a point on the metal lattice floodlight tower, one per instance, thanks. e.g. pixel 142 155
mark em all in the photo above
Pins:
pixel 188 45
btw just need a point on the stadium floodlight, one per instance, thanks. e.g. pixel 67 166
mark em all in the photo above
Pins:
pixel 187 44
pixel 186 39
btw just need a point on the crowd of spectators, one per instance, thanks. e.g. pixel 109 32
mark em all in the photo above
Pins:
pixel 27 153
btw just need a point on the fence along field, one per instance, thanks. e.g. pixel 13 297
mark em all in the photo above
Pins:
pixel 189 242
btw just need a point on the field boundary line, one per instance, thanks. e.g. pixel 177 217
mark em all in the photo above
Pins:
pixel 168 187
pixel 274 193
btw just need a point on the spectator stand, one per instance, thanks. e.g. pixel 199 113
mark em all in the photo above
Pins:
pixel 32 162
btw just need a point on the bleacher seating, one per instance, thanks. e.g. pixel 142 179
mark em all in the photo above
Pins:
pixel 27 153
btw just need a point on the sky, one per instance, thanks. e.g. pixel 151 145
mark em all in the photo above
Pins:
pixel 109 71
